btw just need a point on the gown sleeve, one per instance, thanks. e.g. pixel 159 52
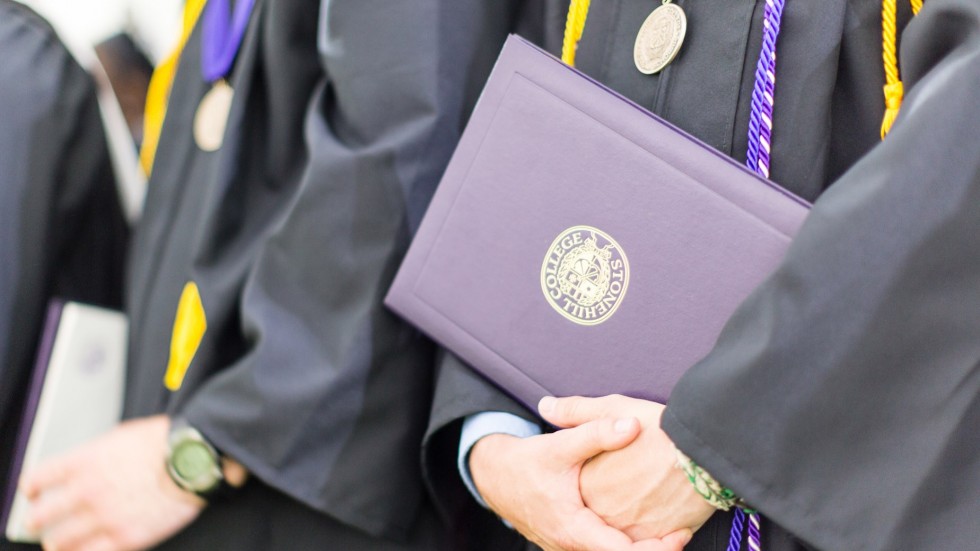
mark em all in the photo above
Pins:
pixel 329 404
pixel 843 397
pixel 459 393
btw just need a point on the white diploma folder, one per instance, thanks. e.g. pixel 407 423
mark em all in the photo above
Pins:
pixel 75 394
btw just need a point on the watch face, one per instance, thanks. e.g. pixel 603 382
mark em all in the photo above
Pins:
pixel 193 462
pixel 192 459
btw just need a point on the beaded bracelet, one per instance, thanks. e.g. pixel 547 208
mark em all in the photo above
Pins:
pixel 707 487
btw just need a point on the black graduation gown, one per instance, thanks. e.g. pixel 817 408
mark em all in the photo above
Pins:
pixel 843 398
pixel 342 122
pixel 62 233
pixel 860 331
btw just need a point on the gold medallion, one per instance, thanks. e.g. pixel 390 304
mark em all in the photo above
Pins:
pixel 212 116
pixel 584 275
pixel 660 38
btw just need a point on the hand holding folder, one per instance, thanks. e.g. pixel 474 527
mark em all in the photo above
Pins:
pixel 75 394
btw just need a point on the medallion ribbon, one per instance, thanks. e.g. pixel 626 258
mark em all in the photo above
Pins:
pixel 222 35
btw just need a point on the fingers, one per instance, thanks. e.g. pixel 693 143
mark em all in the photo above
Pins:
pixel 235 473
pixel 49 474
pixel 675 541
pixel 72 533
pixel 51 506
pixel 586 531
pixel 98 543
pixel 575 445
pixel 671 542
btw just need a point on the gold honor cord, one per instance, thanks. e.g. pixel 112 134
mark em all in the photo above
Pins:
pixel 159 90
pixel 190 324
pixel 894 90
pixel 578 11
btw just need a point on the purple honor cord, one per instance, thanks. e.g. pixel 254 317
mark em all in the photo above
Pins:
pixel 755 532
pixel 738 522
pixel 221 36
pixel 763 93
pixel 758 159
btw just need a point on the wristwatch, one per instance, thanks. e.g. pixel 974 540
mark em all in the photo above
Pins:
pixel 193 463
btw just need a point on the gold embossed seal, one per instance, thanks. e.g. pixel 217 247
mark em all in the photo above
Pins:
pixel 585 275
pixel 660 38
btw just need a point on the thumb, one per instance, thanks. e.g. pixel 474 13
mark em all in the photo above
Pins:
pixel 575 445
pixel 573 411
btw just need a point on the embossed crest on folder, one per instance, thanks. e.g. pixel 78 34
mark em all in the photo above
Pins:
pixel 585 275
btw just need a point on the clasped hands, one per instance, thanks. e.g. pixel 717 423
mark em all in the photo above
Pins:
pixel 607 481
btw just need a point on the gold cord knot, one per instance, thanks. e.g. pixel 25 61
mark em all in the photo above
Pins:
pixel 893 95
pixel 893 101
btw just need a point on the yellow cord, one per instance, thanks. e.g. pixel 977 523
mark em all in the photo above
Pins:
pixel 578 11
pixel 159 90
pixel 893 83
pixel 190 324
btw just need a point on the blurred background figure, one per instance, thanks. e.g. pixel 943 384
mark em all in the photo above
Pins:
pixel 152 25
pixel 118 42
pixel 62 231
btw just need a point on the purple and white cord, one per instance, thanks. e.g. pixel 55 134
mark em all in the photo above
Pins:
pixel 758 159
pixel 755 529
pixel 763 93
pixel 738 522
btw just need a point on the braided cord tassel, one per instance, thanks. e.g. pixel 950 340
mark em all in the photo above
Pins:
pixel 578 11
pixel 763 93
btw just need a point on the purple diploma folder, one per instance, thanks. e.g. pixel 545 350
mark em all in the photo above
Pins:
pixel 579 245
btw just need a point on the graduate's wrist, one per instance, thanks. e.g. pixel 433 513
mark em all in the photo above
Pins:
pixel 482 458
pixel 170 488
pixel 692 509
pixel 197 467
pixel 713 492
pixel 235 476
pixel 480 425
